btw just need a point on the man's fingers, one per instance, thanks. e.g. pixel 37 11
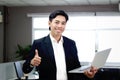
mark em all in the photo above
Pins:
pixel 36 53
pixel 93 69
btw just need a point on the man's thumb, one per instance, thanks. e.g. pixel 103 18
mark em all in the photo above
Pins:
pixel 36 52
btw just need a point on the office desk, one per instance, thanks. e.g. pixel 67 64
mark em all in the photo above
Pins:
pixel 30 76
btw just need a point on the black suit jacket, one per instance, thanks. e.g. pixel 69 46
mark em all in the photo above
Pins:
pixel 47 68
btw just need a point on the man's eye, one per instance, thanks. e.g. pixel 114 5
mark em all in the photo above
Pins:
pixel 63 23
pixel 57 22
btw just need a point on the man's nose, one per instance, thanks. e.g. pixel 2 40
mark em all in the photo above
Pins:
pixel 60 25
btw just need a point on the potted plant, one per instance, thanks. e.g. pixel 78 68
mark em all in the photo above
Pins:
pixel 22 52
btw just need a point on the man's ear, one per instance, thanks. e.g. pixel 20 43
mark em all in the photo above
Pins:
pixel 49 28
pixel 49 24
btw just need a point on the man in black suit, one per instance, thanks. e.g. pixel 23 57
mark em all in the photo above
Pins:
pixel 54 55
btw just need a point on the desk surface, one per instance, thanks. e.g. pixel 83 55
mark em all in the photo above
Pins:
pixel 30 76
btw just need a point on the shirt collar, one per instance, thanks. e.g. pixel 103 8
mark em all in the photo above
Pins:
pixel 54 40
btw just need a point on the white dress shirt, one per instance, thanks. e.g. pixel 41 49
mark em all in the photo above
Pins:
pixel 59 58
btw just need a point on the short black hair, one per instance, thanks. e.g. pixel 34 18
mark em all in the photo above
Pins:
pixel 56 13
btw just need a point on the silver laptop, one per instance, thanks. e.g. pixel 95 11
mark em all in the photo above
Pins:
pixel 98 61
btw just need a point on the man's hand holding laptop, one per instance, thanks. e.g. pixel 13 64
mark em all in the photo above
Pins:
pixel 98 62
pixel 90 73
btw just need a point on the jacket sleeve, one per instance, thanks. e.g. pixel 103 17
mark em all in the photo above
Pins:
pixel 26 67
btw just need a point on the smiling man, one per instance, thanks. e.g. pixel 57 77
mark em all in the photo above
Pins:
pixel 54 55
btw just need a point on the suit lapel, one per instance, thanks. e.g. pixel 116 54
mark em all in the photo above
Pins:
pixel 66 50
pixel 49 48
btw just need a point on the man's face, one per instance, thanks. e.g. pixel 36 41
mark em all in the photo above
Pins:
pixel 57 25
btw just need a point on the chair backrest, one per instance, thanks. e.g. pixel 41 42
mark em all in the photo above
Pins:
pixel 18 69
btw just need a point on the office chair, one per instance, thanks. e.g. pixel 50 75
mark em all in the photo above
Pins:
pixel 19 72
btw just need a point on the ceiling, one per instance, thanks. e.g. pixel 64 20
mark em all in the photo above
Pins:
pixel 56 2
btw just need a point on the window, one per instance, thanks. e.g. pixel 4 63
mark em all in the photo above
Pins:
pixel 91 33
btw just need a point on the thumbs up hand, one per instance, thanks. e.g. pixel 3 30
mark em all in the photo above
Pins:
pixel 36 60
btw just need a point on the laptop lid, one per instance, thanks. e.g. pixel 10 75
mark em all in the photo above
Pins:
pixel 100 58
